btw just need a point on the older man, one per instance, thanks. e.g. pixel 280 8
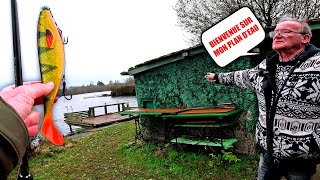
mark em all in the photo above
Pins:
pixel 287 86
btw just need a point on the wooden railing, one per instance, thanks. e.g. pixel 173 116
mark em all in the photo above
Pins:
pixel 121 107
pixel 91 112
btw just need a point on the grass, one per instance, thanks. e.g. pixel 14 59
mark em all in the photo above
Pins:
pixel 111 154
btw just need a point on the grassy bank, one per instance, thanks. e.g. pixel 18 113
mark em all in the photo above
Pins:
pixel 111 154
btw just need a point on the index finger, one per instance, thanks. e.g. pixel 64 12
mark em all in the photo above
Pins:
pixel 32 82
pixel 11 87
pixel 40 100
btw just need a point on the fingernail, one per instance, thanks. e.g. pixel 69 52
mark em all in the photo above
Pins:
pixel 50 83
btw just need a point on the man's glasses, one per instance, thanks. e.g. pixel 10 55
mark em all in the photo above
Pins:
pixel 282 32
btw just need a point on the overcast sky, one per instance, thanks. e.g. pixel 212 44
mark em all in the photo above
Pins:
pixel 105 37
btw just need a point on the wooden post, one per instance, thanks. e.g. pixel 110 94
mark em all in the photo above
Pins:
pixel 118 107
pixel 122 106
pixel 91 112
pixel 105 108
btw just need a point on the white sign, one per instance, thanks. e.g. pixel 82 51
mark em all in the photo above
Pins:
pixel 233 37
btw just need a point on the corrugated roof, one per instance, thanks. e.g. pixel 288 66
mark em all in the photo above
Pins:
pixel 166 59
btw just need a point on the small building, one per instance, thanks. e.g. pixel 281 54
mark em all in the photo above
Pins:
pixel 177 80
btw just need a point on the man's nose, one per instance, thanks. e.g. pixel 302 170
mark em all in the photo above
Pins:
pixel 277 35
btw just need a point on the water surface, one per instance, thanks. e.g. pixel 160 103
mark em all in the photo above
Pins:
pixel 82 102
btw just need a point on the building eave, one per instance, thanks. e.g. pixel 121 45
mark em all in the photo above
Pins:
pixel 166 59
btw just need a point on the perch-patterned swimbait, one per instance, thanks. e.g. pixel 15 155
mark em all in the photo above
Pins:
pixel 51 58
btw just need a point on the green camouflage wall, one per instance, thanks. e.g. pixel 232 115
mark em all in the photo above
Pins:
pixel 182 84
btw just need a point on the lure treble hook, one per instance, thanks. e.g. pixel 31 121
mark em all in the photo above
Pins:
pixel 64 40
pixel 64 89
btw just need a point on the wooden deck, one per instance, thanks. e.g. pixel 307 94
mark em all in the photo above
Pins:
pixel 88 119
pixel 99 120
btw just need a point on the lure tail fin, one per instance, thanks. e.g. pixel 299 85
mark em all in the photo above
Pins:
pixel 50 132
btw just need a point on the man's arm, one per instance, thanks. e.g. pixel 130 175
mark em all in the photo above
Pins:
pixel 13 138
pixel 18 121
pixel 244 78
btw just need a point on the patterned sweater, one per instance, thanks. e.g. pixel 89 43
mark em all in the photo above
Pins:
pixel 296 126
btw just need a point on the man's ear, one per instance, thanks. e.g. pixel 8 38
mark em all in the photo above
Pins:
pixel 306 38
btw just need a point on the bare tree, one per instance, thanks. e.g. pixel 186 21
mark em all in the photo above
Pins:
pixel 196 16
pixel 307 9
pixel 129 81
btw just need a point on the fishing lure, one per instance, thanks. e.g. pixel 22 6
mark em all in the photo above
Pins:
pixel 51 59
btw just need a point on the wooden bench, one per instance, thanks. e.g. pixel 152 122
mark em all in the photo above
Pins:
pixel 224 143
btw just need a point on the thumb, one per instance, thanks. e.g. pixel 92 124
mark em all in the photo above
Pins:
pixel 40 89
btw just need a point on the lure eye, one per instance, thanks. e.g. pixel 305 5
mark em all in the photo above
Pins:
pixel 49 38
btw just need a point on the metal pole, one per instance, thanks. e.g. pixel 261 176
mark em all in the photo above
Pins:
pixel 24 167
pixel 16 44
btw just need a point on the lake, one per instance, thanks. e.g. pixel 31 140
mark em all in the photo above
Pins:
pixel 82 102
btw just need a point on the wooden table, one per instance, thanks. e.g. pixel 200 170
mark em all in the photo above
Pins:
pixel 199 118
pixel 183 112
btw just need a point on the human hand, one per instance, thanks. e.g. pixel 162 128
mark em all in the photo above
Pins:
pixel 210 77
pixel 22 98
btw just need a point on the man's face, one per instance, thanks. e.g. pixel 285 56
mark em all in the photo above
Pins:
pixel 288 36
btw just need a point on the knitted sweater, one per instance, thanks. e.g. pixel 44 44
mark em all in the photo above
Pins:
pixel 296 126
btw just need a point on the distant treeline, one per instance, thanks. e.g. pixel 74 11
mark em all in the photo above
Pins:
pixel 117 89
